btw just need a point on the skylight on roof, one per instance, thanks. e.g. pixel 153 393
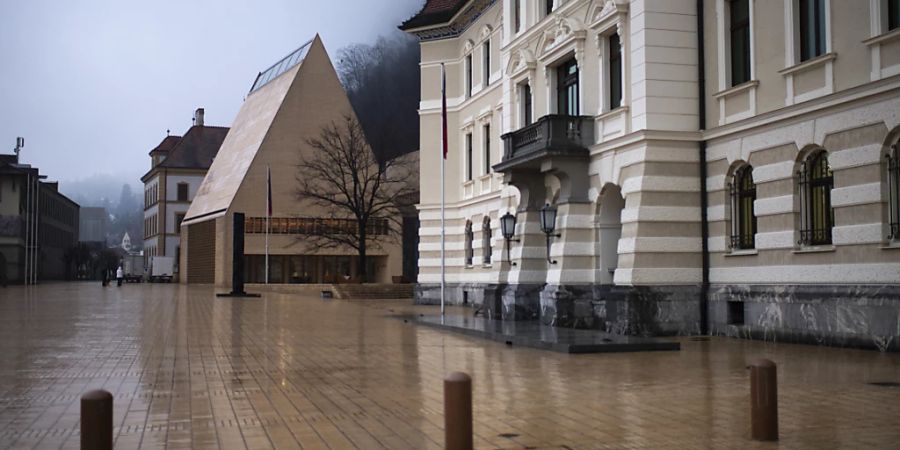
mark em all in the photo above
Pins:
pixel 281 67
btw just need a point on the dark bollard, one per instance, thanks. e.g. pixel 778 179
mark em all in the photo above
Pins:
pixel 458 412
pixel 763 401
pixel 97 420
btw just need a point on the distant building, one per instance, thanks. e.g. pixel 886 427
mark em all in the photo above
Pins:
pixel 93 224
pixel 37 224
pixel 178 165
pixel 288 103
pixel 126 242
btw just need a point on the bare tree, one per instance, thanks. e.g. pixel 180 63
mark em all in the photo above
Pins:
pixel 342 177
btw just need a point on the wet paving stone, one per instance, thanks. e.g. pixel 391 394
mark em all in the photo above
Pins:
pixel 188 370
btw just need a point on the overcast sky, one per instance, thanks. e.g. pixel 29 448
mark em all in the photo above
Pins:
pixel 93 85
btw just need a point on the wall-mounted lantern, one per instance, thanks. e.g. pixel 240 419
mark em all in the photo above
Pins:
pixel 548 226
pixel 508 229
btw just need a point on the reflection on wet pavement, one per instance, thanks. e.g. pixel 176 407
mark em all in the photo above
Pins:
pixel 191 371
pixel 532 333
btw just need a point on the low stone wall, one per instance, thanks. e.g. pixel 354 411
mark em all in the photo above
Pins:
pixel 343 291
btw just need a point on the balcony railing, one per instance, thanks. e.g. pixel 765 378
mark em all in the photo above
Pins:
pixel 552 135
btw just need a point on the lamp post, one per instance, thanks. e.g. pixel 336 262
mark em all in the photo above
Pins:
pixel 548 226
pixel 508 229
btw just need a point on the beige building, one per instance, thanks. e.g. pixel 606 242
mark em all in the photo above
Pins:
pixel 740 181
pixel 289 103
pixel 177 167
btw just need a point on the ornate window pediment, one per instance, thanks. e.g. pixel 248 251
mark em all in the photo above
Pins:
pixel 468 46
pixel 485 32
pixel 604 11
pixel 562 31
pixel 485 117
pixel 521 60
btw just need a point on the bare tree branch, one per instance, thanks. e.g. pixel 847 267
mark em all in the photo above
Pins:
pixel 339 174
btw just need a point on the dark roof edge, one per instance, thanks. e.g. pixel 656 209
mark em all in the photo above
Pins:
pixel 422 19
pixel 57 192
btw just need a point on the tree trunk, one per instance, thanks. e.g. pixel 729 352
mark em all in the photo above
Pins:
pixel 362 268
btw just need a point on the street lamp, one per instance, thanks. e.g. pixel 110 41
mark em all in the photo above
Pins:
pixel 548 225
pixel 508 229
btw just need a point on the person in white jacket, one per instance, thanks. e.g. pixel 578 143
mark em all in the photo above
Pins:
pixel 120 274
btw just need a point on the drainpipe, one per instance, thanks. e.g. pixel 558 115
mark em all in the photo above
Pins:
pixel 704 202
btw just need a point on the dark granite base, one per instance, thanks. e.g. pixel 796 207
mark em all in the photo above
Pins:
pixel 533 334
pixel 861 316
pixel 622 310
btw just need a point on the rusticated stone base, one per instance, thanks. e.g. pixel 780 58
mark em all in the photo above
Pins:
pixel 645 311
pixel 648 310
pixel 864 316
pixel 568 306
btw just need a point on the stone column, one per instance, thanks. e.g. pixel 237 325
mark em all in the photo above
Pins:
pixel 526 278
pixel 566 299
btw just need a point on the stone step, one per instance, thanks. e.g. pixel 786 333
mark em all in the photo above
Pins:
pixel 373 291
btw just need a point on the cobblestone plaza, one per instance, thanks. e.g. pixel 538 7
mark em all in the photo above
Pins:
pixel 191 371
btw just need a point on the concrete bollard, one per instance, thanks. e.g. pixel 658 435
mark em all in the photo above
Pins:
pixel 763 401
pixel 97 420
pixel 458 412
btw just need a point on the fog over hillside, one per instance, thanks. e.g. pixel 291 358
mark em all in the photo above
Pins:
pixel 99 189
pixel 122 197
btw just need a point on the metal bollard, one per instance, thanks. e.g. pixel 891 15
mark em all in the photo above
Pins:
pixel 458 412
pixel 763 401
pixel 97 420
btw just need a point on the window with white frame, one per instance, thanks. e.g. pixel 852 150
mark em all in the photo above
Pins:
pixel 567 88
pixel 525 104
pixel 614 52
pixel 486 61
pixel 486 131
pixel 815 181
pixel 743 217
pixel 182 194
pixel 811 24
pixel 548 7
pixel 468 156
pixel 517 15
pixel 468 69
pixel 739 37
pixel 486 238
pixel 893 10
pixel 893 192
pixel 469 238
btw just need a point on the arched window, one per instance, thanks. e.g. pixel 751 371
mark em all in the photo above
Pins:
pixel 893 177
pixel 470 236
pixel 486 234
pixel 817 216
pixel 743 218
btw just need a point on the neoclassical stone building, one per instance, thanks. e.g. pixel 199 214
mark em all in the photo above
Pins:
pixel 722 166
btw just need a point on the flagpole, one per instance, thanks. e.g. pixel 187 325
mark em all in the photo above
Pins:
pixel 443 157
pixel 268 213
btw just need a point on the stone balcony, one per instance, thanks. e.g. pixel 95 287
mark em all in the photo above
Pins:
pixel 551 136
